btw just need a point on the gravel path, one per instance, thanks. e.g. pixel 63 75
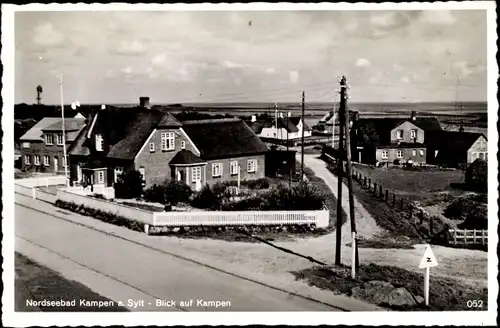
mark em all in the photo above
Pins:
pixel 365 223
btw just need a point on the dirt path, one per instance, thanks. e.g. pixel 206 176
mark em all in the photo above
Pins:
pixel 365 223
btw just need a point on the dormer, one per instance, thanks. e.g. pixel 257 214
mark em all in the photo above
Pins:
pixel 99 142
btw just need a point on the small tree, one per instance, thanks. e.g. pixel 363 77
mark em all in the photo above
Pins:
pixel 206 199
pixel 129 185
pixel 155 194
pixel 177 192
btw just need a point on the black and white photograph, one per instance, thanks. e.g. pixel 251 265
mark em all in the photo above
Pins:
pixel 274 163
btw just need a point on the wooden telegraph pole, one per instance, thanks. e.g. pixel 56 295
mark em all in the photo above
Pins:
pixel 355 260
pixel 303 128
pixel 340 155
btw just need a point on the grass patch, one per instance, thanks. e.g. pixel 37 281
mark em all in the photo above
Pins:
pixel 445 294
pixel 421 184
pixel 36 282
pixel 145 207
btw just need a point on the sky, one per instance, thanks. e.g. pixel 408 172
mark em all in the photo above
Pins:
pixel 257 56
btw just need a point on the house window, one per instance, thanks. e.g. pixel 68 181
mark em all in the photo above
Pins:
pixel 183 144
pixel 234 167
pixel 414 152
pixel 100 177
pixel 216 169
pixel 421 151
pixel 167 141
pixel 400 153
pixel 152 147
pixel 27 159
pixel 400 134
pixel 49 139
pixel 26 145
pixel 46 160
pixel 142 171
pixel 196 174
pixel 99 142
pixel 252 165
pixel 118 171
pixel 37 160
pixel 385 154
pixel 413 134
pixel 60 140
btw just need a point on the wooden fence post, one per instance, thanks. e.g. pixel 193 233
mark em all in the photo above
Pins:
pixel 369 183
pixel 380 191
pixel 465 236
pixel 375 188
pixel 474 237
pixel 387 195
pixel 393 199
pixel 454 236
pixel 364 182
pixel 402 203
pixel 482 237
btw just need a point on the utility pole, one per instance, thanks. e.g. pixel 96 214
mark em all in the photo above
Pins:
pixel 65 159
pixel 340 155
pixel 303 128
pixel 355 260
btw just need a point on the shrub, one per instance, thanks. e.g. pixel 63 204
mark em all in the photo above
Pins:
pixel 155 194
pixel 205 199
pixel 477 219
pixel 461 207
pixel 98 196
pixel 177 191
pixel 129 185
pixel 262 183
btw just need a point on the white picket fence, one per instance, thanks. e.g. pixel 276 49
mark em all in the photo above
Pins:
pixel 34 193
pixel 466 237
pixel 42 181
pixel 232 218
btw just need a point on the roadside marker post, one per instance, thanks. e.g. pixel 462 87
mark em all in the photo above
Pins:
pixel 428 261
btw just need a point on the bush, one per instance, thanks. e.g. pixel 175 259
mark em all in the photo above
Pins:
pixel 155 194
pixel 98 196
pixel 129 185
pixel 177 191
pixel 461 207
pixel 262 183
pixel 205 199
pixel 477 219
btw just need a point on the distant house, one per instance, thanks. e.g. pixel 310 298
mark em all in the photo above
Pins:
pixel 280 128
pixel 456 149
pixel 155 143
pixel 476 175
pixel 389 140
pixel 42 145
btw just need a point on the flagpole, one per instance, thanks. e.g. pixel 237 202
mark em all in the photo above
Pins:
pixel 65 159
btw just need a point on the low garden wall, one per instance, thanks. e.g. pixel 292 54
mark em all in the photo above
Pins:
pixel 42 181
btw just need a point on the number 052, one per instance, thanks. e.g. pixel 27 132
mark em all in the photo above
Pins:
pixel 474 304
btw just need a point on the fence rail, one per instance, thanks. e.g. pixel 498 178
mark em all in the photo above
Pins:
pixel 42 181
pixel 466 237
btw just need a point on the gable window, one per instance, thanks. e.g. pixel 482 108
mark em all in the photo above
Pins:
pixel 100 177
pixel 216 169
pixel 400 134
pixel 167 141
pixel 152 147
pixel 37 160
pixel 421 151
pixel 26 145
pixel 234 167
pixel 400 153
pixel 414 152
pixel 49 139
pixel 46 160
pixel 118 171
pixel 183 144
pixel 413 134
pixel 196 174
pixel 252 165
pixel 27 159
pixel 99 142
pixel 60 139
pixel 385 154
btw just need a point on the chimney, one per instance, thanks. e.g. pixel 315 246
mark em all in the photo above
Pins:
pixel 413 116
pixel 289 114
pixel 254 118
pixel 144 102
pixel 103 107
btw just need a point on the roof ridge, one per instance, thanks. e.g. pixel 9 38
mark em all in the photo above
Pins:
pixel 212 120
